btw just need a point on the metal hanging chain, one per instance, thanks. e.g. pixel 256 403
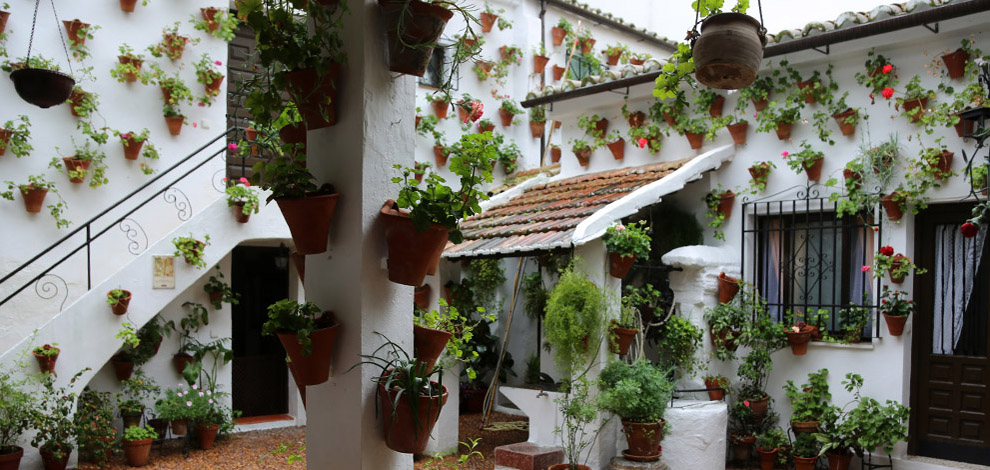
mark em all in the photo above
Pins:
pixel 58 26
pixel 34 22
pixel 763 28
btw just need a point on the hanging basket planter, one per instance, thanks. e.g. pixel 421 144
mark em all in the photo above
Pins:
pixel 315 95
pixel 955 62
pixel 738 132
pixel 34 198
pixel 410 50
pixel 404 431
pixel 315 368
pixel 410 253
pixel 42 87
pixel 308 218
pixel 728 287
pixel 799 339
pixel 728 53
pixel 619 265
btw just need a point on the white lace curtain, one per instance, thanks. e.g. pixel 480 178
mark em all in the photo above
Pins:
pixel 957 261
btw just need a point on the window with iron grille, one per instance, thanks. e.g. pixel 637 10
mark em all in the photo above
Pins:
pixel 583 66
pixel 803 259
pixel 439 68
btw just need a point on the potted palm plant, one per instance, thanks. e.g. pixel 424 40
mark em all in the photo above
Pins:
pixel 626 243
pixel 308 335
pixel 639 394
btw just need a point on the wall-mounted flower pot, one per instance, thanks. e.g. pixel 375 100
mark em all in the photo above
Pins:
pixel 294 134
pixel 558 35
pixel 808 90
pixel 840 118
pixel 727 200
pixel 5 136
pixel 738 132
pixel 536 129
pixel 120 307
pixel 314 368
pixel 421 296
pixel 179 362
pixel 613 59
pixel 486 66
pixel 643 440
pixel 12 459
pixel 315 95
pixel 587 45
pixel 618 148
pixel 729 51
pixel 618 265
pixel 76 99
pixel 137 63
pixel 814 171
pixel 137 453
pixel 636 119
pixel 132 148
pixel 670 118
pixel 487 21
pixel 714 395
pixel 760 104
pixel 635 61
pixel 308 219
pixel 128 5
pixel 209 15
pixel 410 252
pixel 601 126
pixel 891 207
pixel 123 367
pixel 422 24
pixel 721 337
pixel 799 339
pixel 583 156
pixel 41 87
pixel 918 104
pixel 852 179
pixel 174 124
pixel 4 15
pixel 72 28
pixel 620 339
pixel 944 165
pixel 955 63
pixel 213 88
pixel 206 433
pixel 175 45
pixel 46 363
pixel 715 110
pixel 34 198
pixel 76 165
pixel 759 173
pixel 506 117
pixel 895 324
pixel 695 140
pixel 783 130
pixel 540 63
pixel 403 431
pixel 728 287
pixel 555 154
pixel 428 344
pixel 486 127
pixel 440 108
pixel 239 215
pixel 558 72
pixel 895 265
pixel 439 156
pixel 50 462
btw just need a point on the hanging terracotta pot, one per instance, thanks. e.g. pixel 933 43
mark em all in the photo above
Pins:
pixel 410 252
pixel 728 287
pixel 132 148
pixel 805 463
pixel 137 453
pixel 314 368
pixel 587 45
pixel 76 100
pixel 618 265
pixel 695 140
pixel 5 136
pixel 944 165
pixel 728 53
pixel 439 156
pixel 536 129
pixel 955 63
pixel 601 127
pixel 558 35
pixel 12 459
pixel 120 307
pixel 721 337
pixel 555 153
pixel 241 218
pixel 895 265
pixel 73 164
pixel 50 462
pixel 213 87
pixel 206 433
pixel 759 173
pixel 41 87
pixel 4 15
pixel 421 26
pixel 175 45
pixel 540 63
pixel 558 72
pixel 852 179
pixel 840 118
pixel 814 171
pixel 440 108
pixel 47 363
pixel 506 117
pixel 174 124
pixel 209 14
pixel 403 431
pixel 670 118
pixel 487 21
pixel 783 130
pixel 308 219
pixel 428 344
pixel 891 207
pixel 715 110
pixel 799 339
pixel 613 59
pixel 738 132
pixel 714 395
pixel 760 406
pixel 919 104
pixel 725 205
pixel 137 63
pixel 636 119
pixel 808 90
pixel 421 296
pixel 583 156
pixel 618 148
pixel 839 461
pixel 768 457
pixel 895 324
pixel 34 198
pixel 643 440
pixel 804 427
pixel 72 30
pixel 621 338
pixel 180 361
pixel 635 61
pixel 315 95
pixel 128 5
pixel 761 104
pixel 486 128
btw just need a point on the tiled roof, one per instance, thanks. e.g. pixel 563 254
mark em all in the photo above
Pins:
pixel 544 216
pixel 604 14
pixel 613 73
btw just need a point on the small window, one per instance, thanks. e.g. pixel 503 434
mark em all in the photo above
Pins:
pixel 584 65
pixel 439 68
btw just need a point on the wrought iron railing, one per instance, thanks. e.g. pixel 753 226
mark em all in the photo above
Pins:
pixel 129 226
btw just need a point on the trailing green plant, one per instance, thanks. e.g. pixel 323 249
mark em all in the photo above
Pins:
pixel 40 182
pixel 588 123
pixel 193 250
pixel 628 240
pixel 760 90
pixel 854 319
pixel 128 334
pixel 863 424
pixel 535 294
pixel 718 380
pixel 87 105
pixel 772 439
pixel 226 293
pixel 79 49
pixel 642 298
pixel 226 23
pixel 207 71
pixel 172 44
pixel 576 312
pixel 679 340
pixel 449 319
pixel 879 76
pixel 872 172
pixel 763 336
pixel 242 194
pixel 53 416
pixel 729 318
pixel 639 392
pixel 617 49
pixel 758 186
pixel 19 143
pixel 715 216
pixel 538 114
pixel 289 316
pixel 811 400
pixel 914 92
pixel 647 135
pixel 486 275
pixel 884 260
pixel 178 92
pixel 801 161
pixel 776 113
pixel 121 70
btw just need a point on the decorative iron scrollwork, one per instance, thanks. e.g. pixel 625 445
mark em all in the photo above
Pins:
pixel 182 206
pixel 48 287
pixel 135 235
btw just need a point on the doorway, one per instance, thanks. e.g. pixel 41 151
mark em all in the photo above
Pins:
pixel 950 356
pixel 260 376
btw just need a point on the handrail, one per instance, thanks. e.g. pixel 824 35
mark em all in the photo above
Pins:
pixel 87 226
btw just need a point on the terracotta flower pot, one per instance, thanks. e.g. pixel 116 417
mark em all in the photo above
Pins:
pixel 76 165
pixel 132 148
pixel 309 219
pixel 131 77
pixel 175 124
pixel 46 363
pixel 852 179
pixel 315 95
pixel 51 463
pixel 728 287
pixel 759 173
pixel 840 118
pixel 895 324
pixel 120 307
pixel 209 14
pixel 955 63
pixel 536 129
pixel 613 59
pixel 919 104
pixel 175 45
pixel 421 25
pixel 428 344
pixel 122 368
pixel 965 127
pixel 895 265
pixel 410 252
pixel 601 127
pixel 714 395
pixel 814 171
pixel 804 427
pixel 618 148
pixel 759 406
pixel 583 156
pixel 760 105
pixel 715 110
pixel 944 165
pixel 783 130
pixel 294 134
pixel 558 72
pixel 487 21
pixel 506 117
pixel 540 63
pixel 34 198
pixel 636 119
pixel 137 453
pixel 728 53
pixel 440 108
pixel 643 440
pixel 799 340
pixel 725 206
pixel 439 156
pixel 558 35
pixel 486 128
pixel 738 132
pixel 213 88
pixel 179 362
pixel 314 368
pixel 837 461
pixel 240 217
pixel 5 136
pixel 179 426
pixel 621 338
pixel 473 399
pixel 695 140
pixel 72 31
pixel 619 265
pixel 206 433
pixel 808 90
pixel 128 5
pixel 805 463
pixel 741 447
pixel 12 459
pixel 722 337
pixel 635 61
pixel 587 45
pixel 767 458
pixel 403 431
pixel 891 207
pixel 555 154
pixel 160 426
pixel 421 296
pixel 76 99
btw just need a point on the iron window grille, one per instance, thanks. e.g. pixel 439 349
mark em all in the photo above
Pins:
pixel 806 259
pixel 440 64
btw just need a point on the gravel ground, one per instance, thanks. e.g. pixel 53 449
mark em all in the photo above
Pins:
pixel 252 450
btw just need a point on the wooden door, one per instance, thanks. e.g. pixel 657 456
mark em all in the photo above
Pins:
pixel 950 359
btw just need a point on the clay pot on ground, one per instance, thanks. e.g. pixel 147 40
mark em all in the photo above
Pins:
pixel 895 324
pixel 738 132
pixel 558 35
pixel 918 104
pixel 314 368
pixel 72 31
pixel 837 461
pixel 555 153
pixel 536 129
pixel 636 119
pixel 308 218
pixel 206 433
pixel 428 344
pixel 179 362
pixel 725 206
pixel 840 118
pixel 175 124
pixel 473 399
pixel 955 63
pixel 783 130
pixel 46 363
pixel 643 440
pixel 12 459
pixel 714 395
pixel 34 198
pixel 421 25
pixel 410 252
pixel 315 94
pixel 540 63
pixel 715 110
pixel 814 171
pixel 51 463
pixel 618 148
pixel 891 207
pixel 799 339
pixel 805 463
pixel 583 156
pixel 506 117
pixel 137 453
pixel 728 287
pixel 403 431
pixel 487 21
pixel 695 140
pixel 558 72
pixel 440 108
pixel 179 427
pixel 728 53
pixel 621 338
pixel 120 307
pixel 768 457
pixel 741 447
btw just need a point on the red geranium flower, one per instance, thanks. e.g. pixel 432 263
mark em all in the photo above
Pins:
pixel 642 142
pixel 888 68
pixel 887 250
pixel 887 92
pixel 969 229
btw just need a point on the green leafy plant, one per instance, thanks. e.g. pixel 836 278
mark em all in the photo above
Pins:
pixel 728 318
pixel 914 93
pixel 53 416
pixel 173 86
pixel 449 319
pixel 116 295
pixel 225 292
pixel 172 44
pixel 811 400
pixel 776 113
pixel 647 135
pixel 193 250
pixel 714 215
pixel 589 123
pixel 579 411
pixel 18 137
pixel 893 303
pixel 129 65
pixel 226 23
pixel 763 336
pixel 136 392
pixel 759 184
pixel 879 76
pixel 632 239
pixel 94 426
pixel 207 71
pixel 535 294
pixel 289 316
pixel 639 392
pixel 801 161
pixel 899 266
pixel 79 49
pixel 574 321
pixel 853 319
pixel 86 105
pixel 40 182
pixel 128 334
pixel 242 194
pixel 863 424
pixel 16 411
pixel 678 341
pixel 175 404
pixel 47 350
pixel 137 433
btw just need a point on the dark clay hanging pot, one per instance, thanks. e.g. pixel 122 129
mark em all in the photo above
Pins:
pixel 41 87
pixel 728 53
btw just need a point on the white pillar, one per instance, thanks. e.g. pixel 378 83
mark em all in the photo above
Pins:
pixel 375 112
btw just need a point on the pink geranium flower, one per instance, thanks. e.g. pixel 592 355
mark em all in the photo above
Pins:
pixel 865 268
pixel 784 153
pixel 218 62
pixel 642 142
pixel 232 147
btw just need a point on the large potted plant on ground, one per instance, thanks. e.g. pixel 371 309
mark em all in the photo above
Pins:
pixel 769 445
pixel 137 445
pixel 419 223
pixel 626 243
pixel 94 427
pixel 307 334
pixel 809 402
pixel 16 416
pixel 307 209
pixel 575 318
pixel 175 405
pixel 409 400
pixel 579 413
pixel 805 452
pixel 639 394
pixel 55 439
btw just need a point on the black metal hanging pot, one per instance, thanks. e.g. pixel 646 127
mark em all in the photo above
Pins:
pixel 42 87
pixel 728 51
